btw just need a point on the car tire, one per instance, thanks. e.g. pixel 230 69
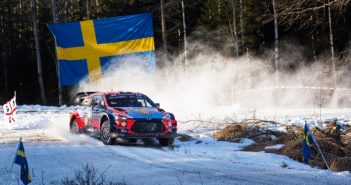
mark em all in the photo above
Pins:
pixel 166 141
pixel 74 127
pixel 105 133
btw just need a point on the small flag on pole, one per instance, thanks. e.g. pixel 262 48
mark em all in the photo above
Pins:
pixel 21 159
pixel 10 109
pixel 307 141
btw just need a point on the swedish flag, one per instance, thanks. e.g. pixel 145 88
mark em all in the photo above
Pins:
pixel 85 49
pixel 21 159
pixel 307 141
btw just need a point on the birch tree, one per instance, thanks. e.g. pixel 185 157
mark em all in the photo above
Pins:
pixel 276 46
pixel 163 23
pixel 242 26
pixel 309 14
pixel 302 13
pixel 234 27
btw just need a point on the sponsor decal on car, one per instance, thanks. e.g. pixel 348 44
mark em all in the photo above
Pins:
pixel 86 120
pixel 123 123
pixel 144 111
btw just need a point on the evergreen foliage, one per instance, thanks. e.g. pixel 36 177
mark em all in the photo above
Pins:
pixel 18 67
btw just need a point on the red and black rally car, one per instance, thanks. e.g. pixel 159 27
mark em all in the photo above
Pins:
pixel 125 115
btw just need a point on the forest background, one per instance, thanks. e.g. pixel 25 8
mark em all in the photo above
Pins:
pixel 247 25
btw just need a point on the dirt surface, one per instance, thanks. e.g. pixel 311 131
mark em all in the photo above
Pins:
pixel 26 135
pixel 335 145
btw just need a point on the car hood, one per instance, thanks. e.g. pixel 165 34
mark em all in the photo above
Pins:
pixel 144 112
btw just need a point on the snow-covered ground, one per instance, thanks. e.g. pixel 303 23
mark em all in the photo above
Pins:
pixel 53 153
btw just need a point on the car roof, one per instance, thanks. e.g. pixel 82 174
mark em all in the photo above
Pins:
pixel 124 93
pixel 119 94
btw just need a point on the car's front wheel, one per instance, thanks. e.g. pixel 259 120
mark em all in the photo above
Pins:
pixel 74 127
pixel 105 134
pixel 166 141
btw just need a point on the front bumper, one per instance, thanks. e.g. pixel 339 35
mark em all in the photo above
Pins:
pixel 119 135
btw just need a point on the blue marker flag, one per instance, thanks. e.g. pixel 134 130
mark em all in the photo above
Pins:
pixel 307 141
pixel 86 49
pixel 21 159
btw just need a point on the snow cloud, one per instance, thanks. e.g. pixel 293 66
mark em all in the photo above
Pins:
pixel 212 80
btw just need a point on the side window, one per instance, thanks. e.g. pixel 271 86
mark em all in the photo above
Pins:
pixel 97 100
pixel 87 101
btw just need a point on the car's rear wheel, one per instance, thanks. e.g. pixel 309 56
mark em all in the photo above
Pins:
pixel 105 133
pixel 166 141
pixel 74 127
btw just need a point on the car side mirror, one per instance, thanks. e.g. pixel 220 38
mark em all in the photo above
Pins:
pixel 158 104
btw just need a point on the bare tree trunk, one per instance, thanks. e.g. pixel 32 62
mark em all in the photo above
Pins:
pixel 185 43
pixel 332 43
pixel 8 39
pixel 313 48
pixel 276 40
pixel 163 22
pixel 66 13
pixel 97 9
pixel 4 42
pixel 41 83
pixel 242 25
pixel 88 17
pixel 235 34
pixel 219 16
pixel 53 9
pixel 180 49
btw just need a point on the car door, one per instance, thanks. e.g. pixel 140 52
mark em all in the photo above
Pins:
pixel 97 112
pixel 85 112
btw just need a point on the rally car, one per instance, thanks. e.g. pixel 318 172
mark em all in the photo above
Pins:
pixel 128 115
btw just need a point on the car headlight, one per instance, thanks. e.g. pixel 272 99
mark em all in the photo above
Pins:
pixel 123 123
pixel 166 117
pixel 169 122
pixel 121 120
pixel 122 117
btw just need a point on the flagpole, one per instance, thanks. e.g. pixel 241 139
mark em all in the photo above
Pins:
pixel 57 71
pixel 16 154
pixel 9 174
pixel 318 147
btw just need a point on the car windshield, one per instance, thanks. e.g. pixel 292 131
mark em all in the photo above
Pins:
pixel 129 102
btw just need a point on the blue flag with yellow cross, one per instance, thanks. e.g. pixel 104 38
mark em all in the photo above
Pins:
pixel 86 49
pixel 307 141
pixel 21 160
